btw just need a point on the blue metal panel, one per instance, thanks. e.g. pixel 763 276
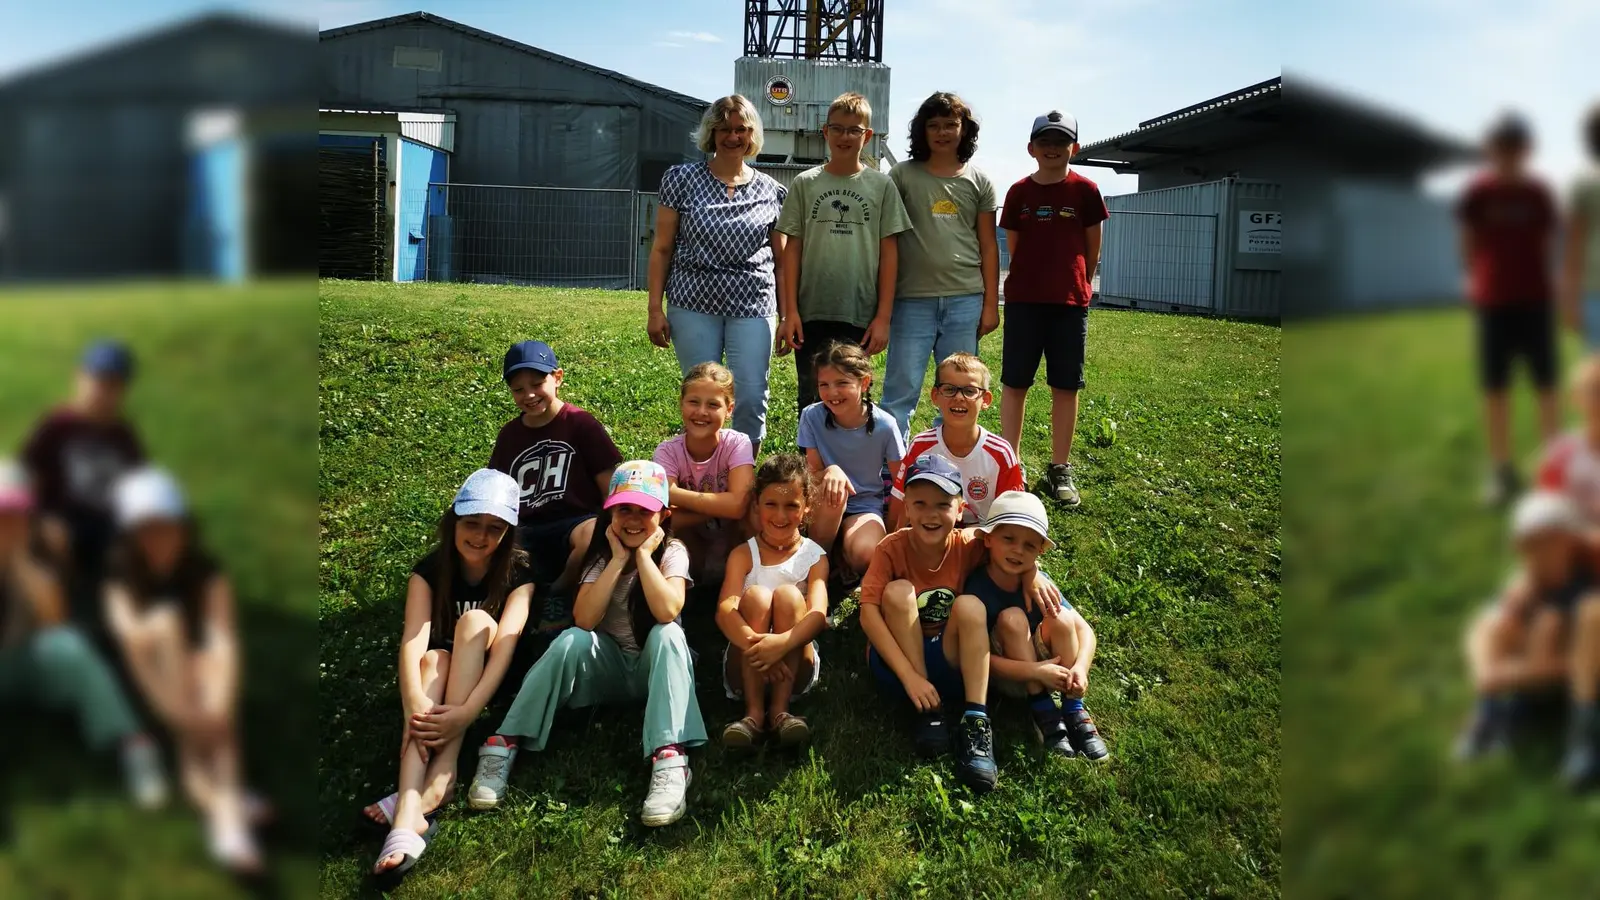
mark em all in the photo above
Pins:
pixel 217 226
pixel 419 165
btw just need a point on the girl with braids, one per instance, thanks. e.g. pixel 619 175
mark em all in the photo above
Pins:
pixel 466 605
pixel 848 443
pixel 626 644
pixel 774 604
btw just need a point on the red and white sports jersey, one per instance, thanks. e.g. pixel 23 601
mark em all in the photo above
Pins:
pixel 992 468
pixel 1572 467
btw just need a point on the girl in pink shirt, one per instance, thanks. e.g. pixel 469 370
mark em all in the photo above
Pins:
pixel 709 469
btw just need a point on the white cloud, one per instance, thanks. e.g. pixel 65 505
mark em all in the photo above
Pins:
pixel 666 44
pixel 699 37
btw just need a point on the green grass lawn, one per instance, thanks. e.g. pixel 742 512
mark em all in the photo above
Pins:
pixel 1392 554
pixel 224 396
pixel 1174 558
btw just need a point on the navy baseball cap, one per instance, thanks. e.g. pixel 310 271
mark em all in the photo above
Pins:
pixel 535 355
pixel 938 471
pixel 1055 121
pixel 108 358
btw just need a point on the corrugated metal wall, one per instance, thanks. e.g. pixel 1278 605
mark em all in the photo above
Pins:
pixel 816 84
pixel 1396 246
pixel 1251 292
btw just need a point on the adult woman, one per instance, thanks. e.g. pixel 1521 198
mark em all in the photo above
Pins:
pixel 715 256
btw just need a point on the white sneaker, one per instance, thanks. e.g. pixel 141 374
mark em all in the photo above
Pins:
pixel 494 767
pixel 147 779
pixel 669 788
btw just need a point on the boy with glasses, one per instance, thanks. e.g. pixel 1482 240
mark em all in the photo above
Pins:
pixel 987 464
pixel 1052 222
pixel 840 262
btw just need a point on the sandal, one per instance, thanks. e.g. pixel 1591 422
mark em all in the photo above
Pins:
pixel 744 734
pixel 410 845
pixel 385 806
pixel 792 730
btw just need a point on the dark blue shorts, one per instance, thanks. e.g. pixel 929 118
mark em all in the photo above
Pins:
pixel 945 678
pixel 548 545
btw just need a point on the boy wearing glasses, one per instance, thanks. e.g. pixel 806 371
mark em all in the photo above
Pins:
pixel 1052 223
pixel 840 261
pixel 988 465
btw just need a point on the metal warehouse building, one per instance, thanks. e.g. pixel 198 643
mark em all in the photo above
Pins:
pixel 1204 233
pixel 185 150
pixel 544 156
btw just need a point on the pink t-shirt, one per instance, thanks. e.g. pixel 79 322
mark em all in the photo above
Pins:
pixel 709 476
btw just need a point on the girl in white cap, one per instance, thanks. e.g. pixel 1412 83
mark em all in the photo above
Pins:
pixel 170 609
pixel 466 605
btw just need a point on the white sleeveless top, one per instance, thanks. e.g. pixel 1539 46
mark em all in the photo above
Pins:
pixel 791 571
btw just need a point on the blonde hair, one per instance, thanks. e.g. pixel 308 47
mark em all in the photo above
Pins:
pixel 965 363
pixel 714 372
pixel 852 104
pixel 718 114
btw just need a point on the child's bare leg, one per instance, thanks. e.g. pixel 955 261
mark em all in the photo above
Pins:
pixel 1549 415
pixel 826 518
pixel 1494 639
pixel 1498 415
pixel 1062 639
pixel 1012 633
pixel 966 646
pixel 475 632
pixel 1063 419
pixel 862 532
pixel 1584 676
pixel 1545 662
pixel 788 607
pixel 1013 402
pixel 755 607
pixel 413 767
pixel 899 609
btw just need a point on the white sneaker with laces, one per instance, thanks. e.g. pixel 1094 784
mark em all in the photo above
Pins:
pixel 669 787
pixel 494 767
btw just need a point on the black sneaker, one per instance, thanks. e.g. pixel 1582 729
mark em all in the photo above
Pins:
pixel 1055 737
pixel 1580 769
pixel 1484 734
pixel 1085 737
pixel 933 734
pixel 1058 481
pixel 975 754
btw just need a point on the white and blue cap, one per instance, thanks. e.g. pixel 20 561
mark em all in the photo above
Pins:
pixel 1018 508
pixel 491 492
pixel 936 470
pixel 1544 512
pixel 146 494
pixel 1057 122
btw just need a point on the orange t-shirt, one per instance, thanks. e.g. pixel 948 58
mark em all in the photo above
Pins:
pixel 936 587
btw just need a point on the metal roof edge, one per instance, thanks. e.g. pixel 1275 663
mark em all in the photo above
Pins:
pixel 480 34
pixel 1271 86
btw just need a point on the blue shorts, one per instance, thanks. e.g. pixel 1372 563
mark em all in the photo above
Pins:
pixel 1590 310
pixel 548 545
pixel 945 678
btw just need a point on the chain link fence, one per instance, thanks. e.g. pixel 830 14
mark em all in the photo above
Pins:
pixel 547 236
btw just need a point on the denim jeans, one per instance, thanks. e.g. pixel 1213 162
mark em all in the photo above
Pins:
pixel 1591 320
pixel 919 327
pixel 744 345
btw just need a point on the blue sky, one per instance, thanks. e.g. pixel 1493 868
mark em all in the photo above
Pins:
pixel 1450 64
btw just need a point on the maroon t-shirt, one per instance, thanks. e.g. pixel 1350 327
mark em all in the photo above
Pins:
pixel 556 464
pixel 1049 263
pixel 74 462
pixel 1510 225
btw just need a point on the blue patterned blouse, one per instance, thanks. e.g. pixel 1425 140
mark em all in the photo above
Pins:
pixel 722 262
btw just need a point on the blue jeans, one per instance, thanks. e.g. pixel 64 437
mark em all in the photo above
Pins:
pixel 1590 308
pixel 744 345
pixel 919 327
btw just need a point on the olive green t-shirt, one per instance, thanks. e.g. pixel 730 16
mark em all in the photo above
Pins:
pixel 840 222
pixel 939 255
pixel 1586 203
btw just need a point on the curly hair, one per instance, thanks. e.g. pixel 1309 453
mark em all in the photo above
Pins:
pixel 943 103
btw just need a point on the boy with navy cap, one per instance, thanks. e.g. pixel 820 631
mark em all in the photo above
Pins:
pixel 929 640
pixel 1052 222
pixel 73 457
pixel 562 458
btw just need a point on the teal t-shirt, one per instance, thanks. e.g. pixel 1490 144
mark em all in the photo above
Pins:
pixel 840 222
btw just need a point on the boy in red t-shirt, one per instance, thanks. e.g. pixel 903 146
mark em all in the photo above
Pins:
pixel 1052 221
pixel 1508 220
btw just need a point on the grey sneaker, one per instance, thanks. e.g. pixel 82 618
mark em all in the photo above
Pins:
pixel 147 778
pixel 1500 486
pixel 1058 479
pixel 669 789
pixel 494 767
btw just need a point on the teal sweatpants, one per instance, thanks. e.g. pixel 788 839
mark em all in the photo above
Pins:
pixel 585 668
pixel 58 669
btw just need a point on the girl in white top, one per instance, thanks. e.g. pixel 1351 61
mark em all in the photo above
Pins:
pixel 774 604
